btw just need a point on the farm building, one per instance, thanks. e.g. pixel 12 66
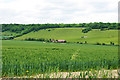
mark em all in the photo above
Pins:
pixel 62 41
pixel 59 41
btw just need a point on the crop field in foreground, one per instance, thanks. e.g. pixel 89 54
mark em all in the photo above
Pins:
pixel 23 58
pixel 74 35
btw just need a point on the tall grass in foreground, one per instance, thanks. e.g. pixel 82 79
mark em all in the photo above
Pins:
pixel 43 68
pixel 25 58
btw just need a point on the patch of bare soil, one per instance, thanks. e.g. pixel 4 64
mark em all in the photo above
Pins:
pixel 85 74
pixel 81 74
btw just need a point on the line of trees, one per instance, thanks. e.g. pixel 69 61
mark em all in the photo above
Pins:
pixel 40 39
pixel 26 28
pixel 98 43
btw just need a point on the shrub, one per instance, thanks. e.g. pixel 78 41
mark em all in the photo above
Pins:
pixel 47 40
pixel 33 39
pixel 81 43
pixel 49 30
pixel 103 43
pixel 111 43
pixel 86 30
pixel 85 42
pixel 10 38
pixel 98 43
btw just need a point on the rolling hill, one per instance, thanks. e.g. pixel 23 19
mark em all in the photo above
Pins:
pixel 74 35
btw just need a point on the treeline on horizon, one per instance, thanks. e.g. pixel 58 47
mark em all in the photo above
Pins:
pixel 26 28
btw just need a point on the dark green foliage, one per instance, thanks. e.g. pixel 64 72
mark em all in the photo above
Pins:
pixel 33 39
pixel 111 43
pixel 103 44
pixel 10 38
pixel 26 28
pixel 49 30
pixel 81 43
pixel 103 29
pixel 86 30
pixel 98 43
pixel 85 42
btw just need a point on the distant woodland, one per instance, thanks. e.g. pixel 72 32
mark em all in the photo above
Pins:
pixel 26 28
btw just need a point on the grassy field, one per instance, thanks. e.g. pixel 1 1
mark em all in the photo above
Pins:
pixel 22 58
pixel 74 35
pixel 8 33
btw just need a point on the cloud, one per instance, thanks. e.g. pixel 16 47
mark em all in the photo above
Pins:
pixel 58 11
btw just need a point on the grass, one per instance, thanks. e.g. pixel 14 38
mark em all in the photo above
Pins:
pixel 21 58
pixel 8 33
pixel 74 35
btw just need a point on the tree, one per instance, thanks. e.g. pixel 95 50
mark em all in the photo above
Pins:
pixel 86 30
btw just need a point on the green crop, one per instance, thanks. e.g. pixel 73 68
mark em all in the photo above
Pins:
pixel 26 58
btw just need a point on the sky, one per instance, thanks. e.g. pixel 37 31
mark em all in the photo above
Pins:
pixel 58 11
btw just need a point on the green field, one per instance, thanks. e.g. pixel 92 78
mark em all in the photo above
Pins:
pixel 33 57
pixel 74 35
pixel 8 33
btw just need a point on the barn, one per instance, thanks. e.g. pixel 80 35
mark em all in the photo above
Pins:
pixel 58 41
pixel 61 41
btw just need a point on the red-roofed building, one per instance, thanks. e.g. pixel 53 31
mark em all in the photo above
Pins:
pixel 62 41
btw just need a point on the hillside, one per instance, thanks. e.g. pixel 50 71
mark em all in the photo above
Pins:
pixel 17 30
pixel 74 35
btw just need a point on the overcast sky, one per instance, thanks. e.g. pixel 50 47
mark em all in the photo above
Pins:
pixel 58 11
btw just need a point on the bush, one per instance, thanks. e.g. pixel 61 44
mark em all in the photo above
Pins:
pixel 85 42
pixel 86 30
pixel 47 40
pixel 98 43
pixel 49 30
pixel 111 43
pixel 103 29
pixel 41 39
pixel 81 43
pixel 103 44
pixel 10 38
